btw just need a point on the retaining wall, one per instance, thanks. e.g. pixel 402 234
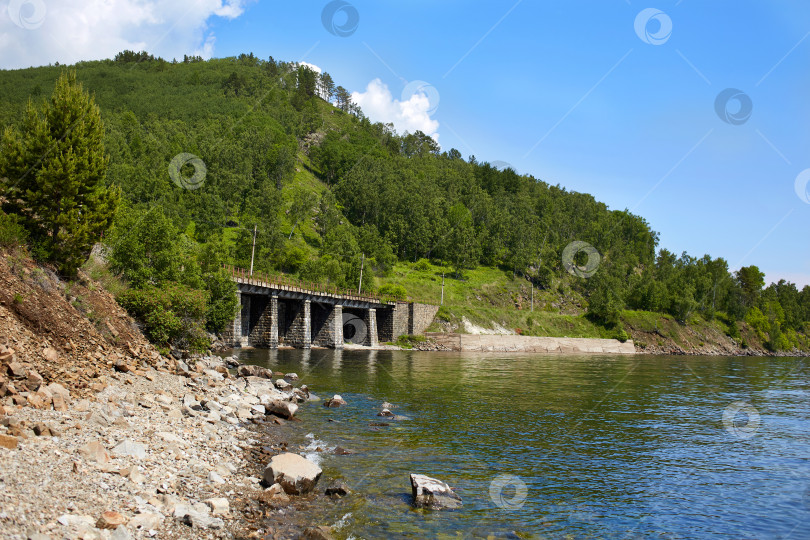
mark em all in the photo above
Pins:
pixel 501 343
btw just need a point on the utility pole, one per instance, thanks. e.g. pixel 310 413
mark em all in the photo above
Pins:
pixel 362 261
pixel 253 250
pixel 442 303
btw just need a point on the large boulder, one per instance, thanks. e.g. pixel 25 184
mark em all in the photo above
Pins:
pixel 281 407
pixel 296 474
pixel 432 493
pixel 249 370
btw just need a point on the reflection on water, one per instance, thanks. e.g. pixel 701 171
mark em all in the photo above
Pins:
pixel 562 446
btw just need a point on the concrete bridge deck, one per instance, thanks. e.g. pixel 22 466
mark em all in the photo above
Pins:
pixel 277 310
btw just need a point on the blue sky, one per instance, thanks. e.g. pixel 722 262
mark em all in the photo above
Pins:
pixel 569 92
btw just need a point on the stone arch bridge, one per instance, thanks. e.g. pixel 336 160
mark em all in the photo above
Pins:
pixel 278 311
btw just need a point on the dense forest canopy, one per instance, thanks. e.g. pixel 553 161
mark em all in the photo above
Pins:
pixel 287 154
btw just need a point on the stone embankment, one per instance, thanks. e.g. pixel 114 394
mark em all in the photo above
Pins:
pixel 531 344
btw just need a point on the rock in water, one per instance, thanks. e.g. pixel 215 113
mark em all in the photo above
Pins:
pixel 337 489
pixel 335 401
pixel 318 533
pixel 296 474
pixel 432 493
pixel 280 407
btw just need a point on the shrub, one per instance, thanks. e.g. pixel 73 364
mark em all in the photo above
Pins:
pixel 12 233
pixel 443 314
pixel 733 330
pixel 622 336
pixel 394 292
pixel 758 321
pixel 171 313
pixel 422 265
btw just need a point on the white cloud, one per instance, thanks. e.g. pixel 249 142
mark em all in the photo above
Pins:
pixel 411 115
pixel 313 67
pixel 74 30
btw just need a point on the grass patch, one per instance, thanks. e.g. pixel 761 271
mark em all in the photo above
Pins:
pixel 98 272
pixel 408 341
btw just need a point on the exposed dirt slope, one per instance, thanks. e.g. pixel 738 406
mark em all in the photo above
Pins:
pixel 70 333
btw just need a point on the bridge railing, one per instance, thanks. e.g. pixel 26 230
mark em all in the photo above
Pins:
pixel 289 282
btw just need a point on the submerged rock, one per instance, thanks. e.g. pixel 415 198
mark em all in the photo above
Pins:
pixel 318 533
pixel 337 489
pixel 432 493
pixel 296 474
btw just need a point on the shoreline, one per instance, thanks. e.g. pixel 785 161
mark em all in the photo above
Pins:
pixel 507 343
pixel 156 453
pixel 438 341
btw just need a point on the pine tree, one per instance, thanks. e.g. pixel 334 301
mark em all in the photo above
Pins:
pixel 52 172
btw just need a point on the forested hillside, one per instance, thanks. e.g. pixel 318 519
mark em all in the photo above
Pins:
pixel 286 154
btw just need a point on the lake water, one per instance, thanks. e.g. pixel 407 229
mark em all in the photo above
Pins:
pixel 545 446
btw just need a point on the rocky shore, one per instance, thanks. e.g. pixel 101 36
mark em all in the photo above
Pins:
pixel 174 452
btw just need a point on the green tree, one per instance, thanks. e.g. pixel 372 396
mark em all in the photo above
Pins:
pixel 144 248
pixel 604 302
pixel 751 281
pixel 222 302
pixel 53 173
